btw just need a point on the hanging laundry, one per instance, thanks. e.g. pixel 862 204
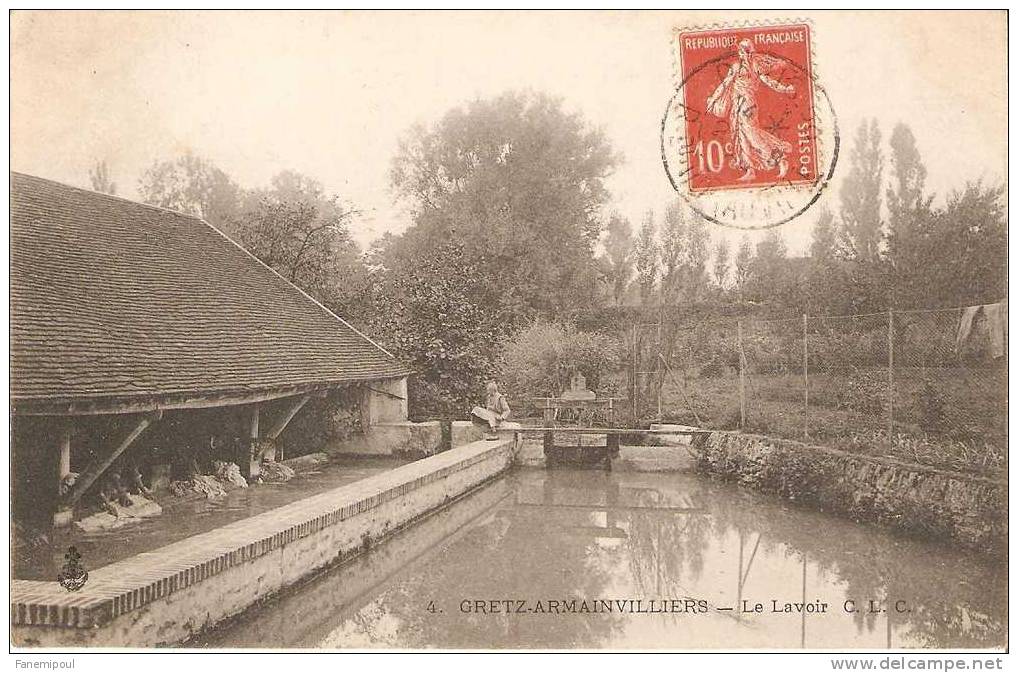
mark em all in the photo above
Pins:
pixel 996 324
pixel 968 317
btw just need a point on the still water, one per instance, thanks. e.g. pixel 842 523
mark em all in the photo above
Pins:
pixel 588 559
pixel 184 517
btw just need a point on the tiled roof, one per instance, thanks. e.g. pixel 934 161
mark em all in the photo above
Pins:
pixel 112 299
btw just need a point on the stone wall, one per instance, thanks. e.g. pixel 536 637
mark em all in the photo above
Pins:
pixel 405 439
pixel 353 586
pixel 171 594
pixel 968 510
pixel 385 402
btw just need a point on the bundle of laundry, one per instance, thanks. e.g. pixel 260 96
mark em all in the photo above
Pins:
pixel 996 322
pixel 205 484
pixel 276 473
pixel 229 473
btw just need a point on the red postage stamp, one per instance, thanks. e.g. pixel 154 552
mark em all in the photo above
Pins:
pixel 748 99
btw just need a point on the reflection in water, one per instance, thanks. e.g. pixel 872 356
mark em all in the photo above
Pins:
pixel 554 539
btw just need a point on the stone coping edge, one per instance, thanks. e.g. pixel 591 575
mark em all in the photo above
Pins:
pixel 127 585
pixel 881 460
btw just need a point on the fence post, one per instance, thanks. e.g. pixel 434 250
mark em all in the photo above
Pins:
pixel 742 381
pixel 636 376
pixel 657 364
pixel 805 377
pixel 890 376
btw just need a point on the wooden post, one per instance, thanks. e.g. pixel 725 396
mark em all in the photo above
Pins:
pixel 742 380
pixel 250 461
pixel 805 376
pixel 802 642
pixel 64 464
pixel 63 515
pixel 549 420
pixel 661 371
pixel 253 422
pixel 738 576
pixel 890 377
pixel 95 469
pixel 636 377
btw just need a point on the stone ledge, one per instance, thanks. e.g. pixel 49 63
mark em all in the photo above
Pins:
pixel 869 458
pixel 964 509
pixel 127 585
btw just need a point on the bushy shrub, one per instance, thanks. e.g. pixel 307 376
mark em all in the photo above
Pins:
pixel 839 349
pixel 439 316
pixel 542 358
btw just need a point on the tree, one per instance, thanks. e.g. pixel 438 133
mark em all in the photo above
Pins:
pixel 619 257
pixel 865 282
pixel 825 284
pixel 673 253
pixel 99 176
pixel 910 215
pixel 962 254
pixel 768 267
pixel 721 268
pixel 743 266
pixel 697 246
pixel 906 195
pixel 520 184
pixel 195 186
pixel 303 233
pixel 540 360
pixel 684 253
pixel 647 255
pixel 861 229
pixel 434 315
pixel 823 246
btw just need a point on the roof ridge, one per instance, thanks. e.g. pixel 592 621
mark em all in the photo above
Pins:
pixel 109 196
pixel 115 298
pixel 221 233
pixel 296 287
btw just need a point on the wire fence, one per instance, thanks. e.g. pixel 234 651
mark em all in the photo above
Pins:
pixel 924 386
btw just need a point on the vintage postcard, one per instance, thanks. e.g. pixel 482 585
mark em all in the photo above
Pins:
pixel 675 331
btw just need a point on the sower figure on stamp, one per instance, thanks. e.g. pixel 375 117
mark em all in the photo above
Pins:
pixel 736 97
pixel 494 412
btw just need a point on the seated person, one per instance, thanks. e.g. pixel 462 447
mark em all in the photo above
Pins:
pixel 493 413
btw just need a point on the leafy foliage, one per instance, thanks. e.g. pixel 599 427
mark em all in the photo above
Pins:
pixel 195 186
pixel 517 180
pixel 434 315
pixel 541 359
pixel 99 176
pixel 683 252
pixel 722 264
pixel 618 257
pixel 303 234
pixel 860 196
pixel 648 252
pixel 743 261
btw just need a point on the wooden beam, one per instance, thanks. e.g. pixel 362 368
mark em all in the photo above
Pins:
pixel 386 393
pixel 571 430
pixel 96 469
pixel 284 420
pixel 102 407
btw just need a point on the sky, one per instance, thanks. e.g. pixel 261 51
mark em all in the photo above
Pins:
pixel 330 94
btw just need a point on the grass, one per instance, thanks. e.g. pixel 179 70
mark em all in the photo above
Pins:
pixel 952 418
